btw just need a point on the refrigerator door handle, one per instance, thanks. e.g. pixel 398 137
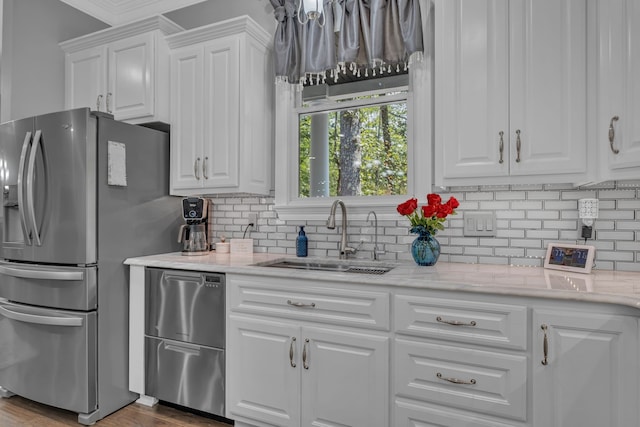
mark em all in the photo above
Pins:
pixel 40 320
pixel 21 207
pixel 31 175
pixel 42 274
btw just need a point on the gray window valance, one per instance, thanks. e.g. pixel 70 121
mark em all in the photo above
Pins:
pixel 358 36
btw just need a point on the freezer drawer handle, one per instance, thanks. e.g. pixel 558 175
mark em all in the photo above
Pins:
pixel 41 274
pixel 41 320
pixel 182 348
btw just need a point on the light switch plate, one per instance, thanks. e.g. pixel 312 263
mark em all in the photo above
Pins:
pixel 480 224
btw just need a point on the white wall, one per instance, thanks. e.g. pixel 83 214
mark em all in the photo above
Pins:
pixel 32 63
pixel 218 10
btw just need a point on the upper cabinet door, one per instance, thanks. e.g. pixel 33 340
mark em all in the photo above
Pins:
pixel 548 98
pixel 86 78
pixel 619 96
pixel 187 114
pixel 511 90
pixel 222 109
pixel 472 87
pixel 131 74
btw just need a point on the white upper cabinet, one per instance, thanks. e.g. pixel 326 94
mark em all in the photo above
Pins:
pixel 221 109
pixel 511 91
pixel 618 136
pixel 123 71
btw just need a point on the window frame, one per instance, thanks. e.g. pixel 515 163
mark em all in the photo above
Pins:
pixel 419 155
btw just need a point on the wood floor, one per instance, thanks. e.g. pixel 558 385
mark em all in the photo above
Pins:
pixel 19 412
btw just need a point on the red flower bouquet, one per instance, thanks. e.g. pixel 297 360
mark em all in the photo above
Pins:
pixel 428 218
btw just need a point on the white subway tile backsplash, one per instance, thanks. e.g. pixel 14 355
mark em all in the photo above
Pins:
pixel 528 218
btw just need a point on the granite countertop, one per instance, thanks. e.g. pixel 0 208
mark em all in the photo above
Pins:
pixel 613 287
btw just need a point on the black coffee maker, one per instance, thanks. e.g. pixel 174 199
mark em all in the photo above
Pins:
pixel 193 234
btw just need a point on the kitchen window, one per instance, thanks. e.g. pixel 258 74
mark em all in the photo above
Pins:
pixel 392 160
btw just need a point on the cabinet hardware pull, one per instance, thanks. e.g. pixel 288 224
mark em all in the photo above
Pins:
pixel 300 304
pixel 501 161
pixel 612 134
pixel 98 102
pixel 545 345
pixel 455 322
pixel 204 168
pixel 109 95
pixel 518 145
pixel 293 341
pixel 455 380
pixel 305 362
pixel 196 168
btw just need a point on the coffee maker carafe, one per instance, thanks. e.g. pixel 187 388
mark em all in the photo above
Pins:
pixel 193 234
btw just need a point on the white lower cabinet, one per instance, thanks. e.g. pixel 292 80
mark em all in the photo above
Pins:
pixel 459 362
pixel 325 353
pixel 288 368
pixel 585 369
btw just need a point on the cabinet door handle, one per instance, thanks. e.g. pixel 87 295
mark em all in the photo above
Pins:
pixel 501 147
pixel 300 304
pixel 98 102
pixel 455 322
pixel 305 362
pixel 612 134
pixel 204 168
pixel 293 341
pixel 545 345
pixel 518 145
pixel 455 380
pixel 196 168
pixel 109 95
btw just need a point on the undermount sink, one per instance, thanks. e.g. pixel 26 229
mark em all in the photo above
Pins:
pixel 340 266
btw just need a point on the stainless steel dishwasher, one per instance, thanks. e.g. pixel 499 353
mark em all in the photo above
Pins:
pixel 185 338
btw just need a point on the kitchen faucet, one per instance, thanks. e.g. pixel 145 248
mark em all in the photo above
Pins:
pixel 331 224
pixel 376 251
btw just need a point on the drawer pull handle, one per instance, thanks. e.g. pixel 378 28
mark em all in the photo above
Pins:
pixel 305 362
pixel 455 380
pixel 293 341
pixel 300 304
pixel 501 147
pixel 545 345
pixel 455 322
pixel 518 145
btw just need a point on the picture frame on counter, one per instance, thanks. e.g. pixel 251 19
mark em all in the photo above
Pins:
pixel 569 257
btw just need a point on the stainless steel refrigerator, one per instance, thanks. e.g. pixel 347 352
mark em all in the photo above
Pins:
pixel 80 193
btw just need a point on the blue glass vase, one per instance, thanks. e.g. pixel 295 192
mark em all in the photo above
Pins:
pixel 425 249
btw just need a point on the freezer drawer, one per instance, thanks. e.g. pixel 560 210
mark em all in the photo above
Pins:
pixel 185 374
pixel 49 356
pixel 68 288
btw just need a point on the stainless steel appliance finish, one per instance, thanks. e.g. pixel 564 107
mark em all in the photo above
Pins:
pixel 185 338
pixel 65 234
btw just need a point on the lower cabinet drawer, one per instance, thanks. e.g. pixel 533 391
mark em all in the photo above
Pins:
pixel 474 380
pixel 312 302
pixel 409 414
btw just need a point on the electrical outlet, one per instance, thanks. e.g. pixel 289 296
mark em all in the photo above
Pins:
pixel 253 219
pixel 479 224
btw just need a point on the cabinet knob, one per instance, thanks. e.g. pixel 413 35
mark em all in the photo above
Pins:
pixel 612 134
